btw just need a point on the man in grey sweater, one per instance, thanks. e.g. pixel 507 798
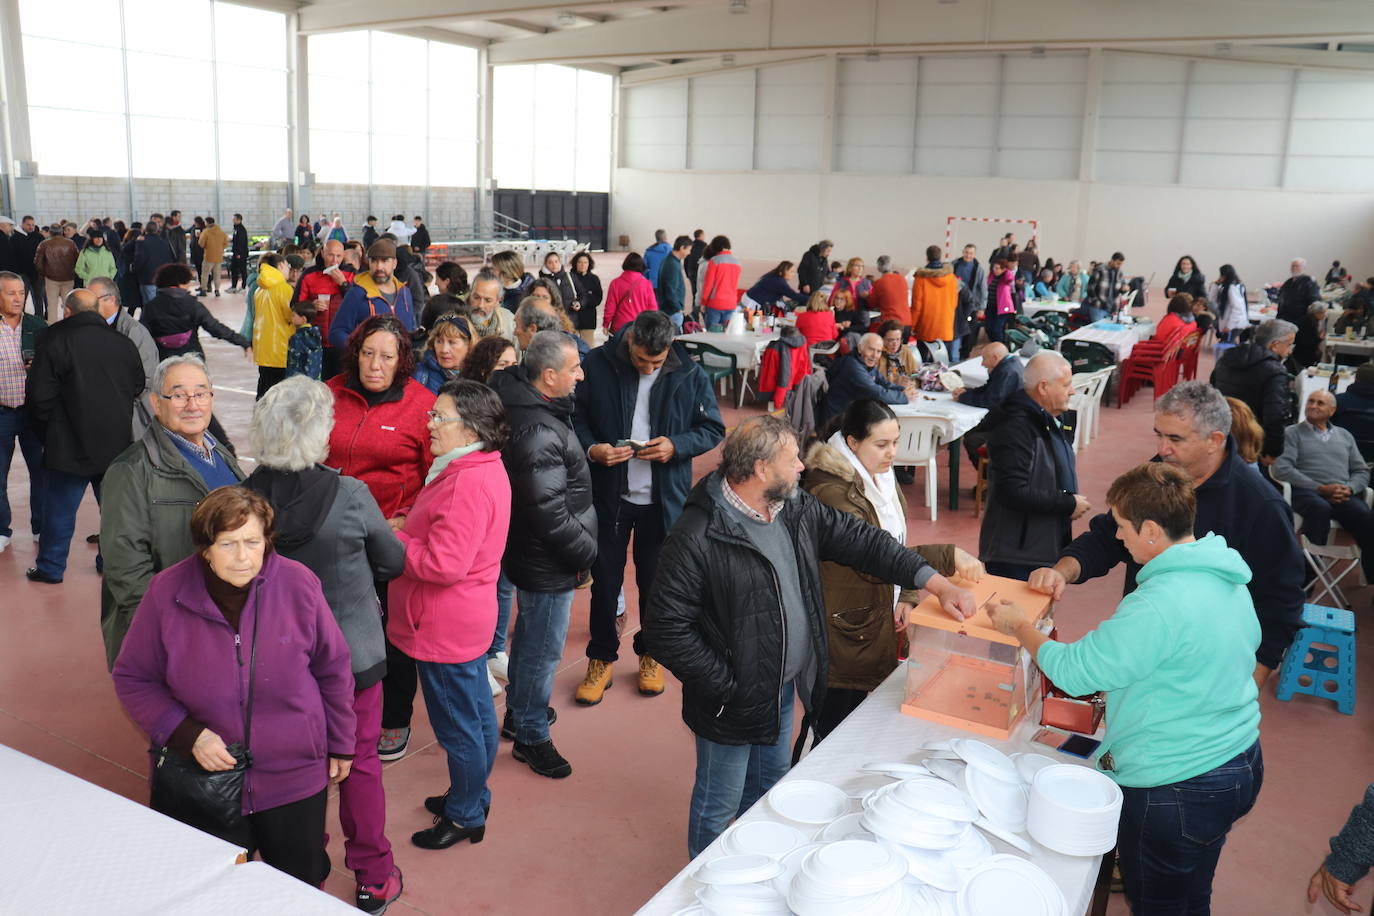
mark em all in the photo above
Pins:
pixel 1328 475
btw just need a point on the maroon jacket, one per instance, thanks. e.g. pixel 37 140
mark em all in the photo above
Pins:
pixel 182 659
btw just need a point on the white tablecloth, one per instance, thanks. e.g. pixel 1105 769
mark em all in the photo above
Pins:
pixel 1032 307
pixel 1310 383
pixel 961 416
pixel 73 847
pixel 747 348
pixel 878 731
pixel 1363 348
pixel 1120 339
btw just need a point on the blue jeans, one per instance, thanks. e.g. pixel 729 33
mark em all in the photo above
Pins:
pixel 676 319
pixel 536 647
pixel 14 424
pixel 717 318
pixel 62 493
pixel 147 292
pixel 1170 837
pixel 730 778
pixel 953 347
pixel 505 594
pixel 464 720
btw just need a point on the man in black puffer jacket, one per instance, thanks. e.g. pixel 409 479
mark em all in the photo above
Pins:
pixel 1254 373
pixel 552 534
pixel 814 266
pixel 737 614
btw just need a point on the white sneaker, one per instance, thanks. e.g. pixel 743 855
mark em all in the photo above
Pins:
pixel 4 542
pixel 496 687
pixel 498 666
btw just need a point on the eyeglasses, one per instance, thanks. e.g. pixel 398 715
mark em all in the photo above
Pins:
pixel 181 398
pixel 436 417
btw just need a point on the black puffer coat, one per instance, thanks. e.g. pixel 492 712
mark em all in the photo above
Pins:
pixel 1255 375
pixel 553 525
pixel 714 616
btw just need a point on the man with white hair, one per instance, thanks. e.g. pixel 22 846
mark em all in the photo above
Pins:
pixel 284 231
pixel 855 375
pixel 1192 426
pixel 1033 496
pixel 1298 293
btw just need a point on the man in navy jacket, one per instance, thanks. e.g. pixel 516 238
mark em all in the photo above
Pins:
pixel 642 387
pixel 1005 377
pixel 856 375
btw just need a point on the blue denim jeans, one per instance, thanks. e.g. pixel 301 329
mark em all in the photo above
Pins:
pixel 15 425
pixel 147 292
pixel 953 347
pixel 676 319
pixel 62 494
pixel 717 319
pixel 464 720
pixel 730 778
pixel 536 647
pixel 1170 837
pixel 505 595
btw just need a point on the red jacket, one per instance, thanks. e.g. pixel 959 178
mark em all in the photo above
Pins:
pixel 386 447
pixel 318 283
pixel 770 364
pixel 627 296
pixel 720 286
pixel 817 327
pixel 443 607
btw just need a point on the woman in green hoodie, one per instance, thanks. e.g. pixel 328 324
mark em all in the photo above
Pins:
pixel 1175 661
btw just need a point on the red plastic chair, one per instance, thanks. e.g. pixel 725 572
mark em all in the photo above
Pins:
pixel 1191 345
pixel 1153 362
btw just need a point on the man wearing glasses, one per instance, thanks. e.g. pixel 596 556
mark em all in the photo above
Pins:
pixel 80 395
pixel 152 488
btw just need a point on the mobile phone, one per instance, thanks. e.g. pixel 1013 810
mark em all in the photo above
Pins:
pixel 632 443
pixel 1080 746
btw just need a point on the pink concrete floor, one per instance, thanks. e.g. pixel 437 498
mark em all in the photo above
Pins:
pixel 605 839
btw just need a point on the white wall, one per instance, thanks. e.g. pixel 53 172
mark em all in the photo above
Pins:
pixel 778 215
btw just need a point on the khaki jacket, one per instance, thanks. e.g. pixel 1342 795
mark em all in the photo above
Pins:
pixel 858 608
pixel 212 242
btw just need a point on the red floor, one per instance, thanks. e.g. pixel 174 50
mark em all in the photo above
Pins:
pixel 605 839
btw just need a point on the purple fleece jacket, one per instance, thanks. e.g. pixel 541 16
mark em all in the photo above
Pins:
pixel 181 658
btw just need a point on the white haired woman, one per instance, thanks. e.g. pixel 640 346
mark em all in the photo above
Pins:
pixel 331 524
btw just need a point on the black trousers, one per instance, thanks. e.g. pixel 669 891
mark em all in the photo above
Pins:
pixel 608 572
pixel 267 377
pixel 838 704
pixel 401 682
pixel 290 838
pixel 238 271
pixel 330 357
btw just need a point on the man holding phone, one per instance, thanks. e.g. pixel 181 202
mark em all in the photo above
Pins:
pixel 643 413
pixel 19 334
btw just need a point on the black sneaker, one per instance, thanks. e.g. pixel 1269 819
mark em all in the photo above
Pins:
pixel 543 758
pixel 375 898
pixel 508 723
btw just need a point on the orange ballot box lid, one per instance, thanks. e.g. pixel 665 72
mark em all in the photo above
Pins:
pixel 929 613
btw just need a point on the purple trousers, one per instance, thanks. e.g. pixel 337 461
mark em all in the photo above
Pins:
pixel 362 800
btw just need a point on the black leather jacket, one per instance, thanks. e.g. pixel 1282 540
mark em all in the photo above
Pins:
pixel 553 525
pixel 714 617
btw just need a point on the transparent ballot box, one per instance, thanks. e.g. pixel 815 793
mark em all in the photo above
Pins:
pixel 965 673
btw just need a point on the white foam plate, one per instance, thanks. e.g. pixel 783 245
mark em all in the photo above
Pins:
pixel 1029 764
pixel 1003 803
pixel 936 797
pixel 843 828
pixel 792 863
pixel 896 770
pixel 986 758
pixel 807 801
pixel 951 771
pixel 743 900
pixel 764 838
pixel 743 869
pixel 1004 885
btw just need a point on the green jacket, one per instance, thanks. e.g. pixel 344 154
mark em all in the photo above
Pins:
pixel 95 262
pixel 147 498
pixel 31 329
pixel 1177 660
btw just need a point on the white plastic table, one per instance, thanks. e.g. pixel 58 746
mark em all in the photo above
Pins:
pixel 746 347
pixel 961 416
pixel 1118 338
pixel 878 731
pixel 1308 383
pixel 1032 307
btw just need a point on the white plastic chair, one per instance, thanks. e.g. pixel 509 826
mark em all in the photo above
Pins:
pixel 1087 401
pixel 1330 563
pixel 918 443
pixel 938 353
pixel 824 348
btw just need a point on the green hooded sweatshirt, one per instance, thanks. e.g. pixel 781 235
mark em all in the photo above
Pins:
pixel 1176 661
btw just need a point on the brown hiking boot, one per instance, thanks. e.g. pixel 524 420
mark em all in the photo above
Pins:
pixel 650 677
pixel 594 685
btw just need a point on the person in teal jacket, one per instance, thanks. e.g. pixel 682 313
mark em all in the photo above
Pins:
pixel 1176 662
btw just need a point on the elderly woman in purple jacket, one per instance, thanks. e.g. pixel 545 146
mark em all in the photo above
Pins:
pixel 183 675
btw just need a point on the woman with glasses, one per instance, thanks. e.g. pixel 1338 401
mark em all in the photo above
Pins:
pixel 443 606
pixel 381 437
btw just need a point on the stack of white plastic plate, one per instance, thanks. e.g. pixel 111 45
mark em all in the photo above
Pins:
pixel 850 877
pixel 994 783
pixel 1007 884
pixel 844 828
pixel 1030 764
pixel 808 802
pixel 1074 810
pixel 764 838
pixel 741 869
pixel 927 901
pixel 742 900
pixel 890 818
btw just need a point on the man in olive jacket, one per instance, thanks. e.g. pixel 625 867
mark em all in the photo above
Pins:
pixel 152 488
pixel 737 613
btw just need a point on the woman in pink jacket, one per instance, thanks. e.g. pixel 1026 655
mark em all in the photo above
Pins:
pixel 628 295
pixel 443 607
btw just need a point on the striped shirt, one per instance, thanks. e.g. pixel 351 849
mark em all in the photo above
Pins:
pixel 733 499
pixel 12 372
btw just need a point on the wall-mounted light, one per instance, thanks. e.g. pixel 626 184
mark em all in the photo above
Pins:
pixel 1223 47
pixel 566 20
pixel 739 6
pixel 1038 51
pixel 727 60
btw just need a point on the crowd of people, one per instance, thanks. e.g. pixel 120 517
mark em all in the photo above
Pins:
pixel 436 449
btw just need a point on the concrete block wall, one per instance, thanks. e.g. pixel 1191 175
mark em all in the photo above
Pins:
pixel 451 211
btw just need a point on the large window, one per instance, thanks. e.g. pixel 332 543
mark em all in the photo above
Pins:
pixel 206 88
pixel 389 109
pixel 551 128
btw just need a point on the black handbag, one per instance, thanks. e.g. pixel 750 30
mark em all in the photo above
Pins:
pixel 210 802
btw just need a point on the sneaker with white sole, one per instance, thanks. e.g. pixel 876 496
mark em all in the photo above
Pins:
pixel 392 745
pixel 494 684
pixel 375 898
pixel 499 665
pixel 4 542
